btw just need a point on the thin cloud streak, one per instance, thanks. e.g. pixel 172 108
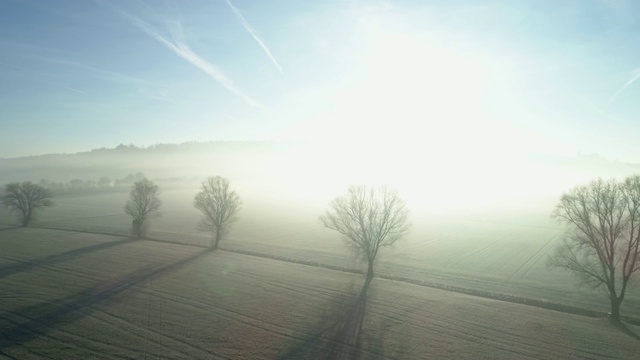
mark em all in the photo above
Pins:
pixel 100 73
pixel 255 36
pixel 41 53
pixel 180 48
pixel 74 90
pixel 635 76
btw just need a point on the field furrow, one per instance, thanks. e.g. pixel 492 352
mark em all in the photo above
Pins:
pixel 278 291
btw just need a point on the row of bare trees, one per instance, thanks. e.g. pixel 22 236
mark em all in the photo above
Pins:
pixel 368 218
pixel 102 184
pixel 601 245
pixel 106 184
pixel 217 202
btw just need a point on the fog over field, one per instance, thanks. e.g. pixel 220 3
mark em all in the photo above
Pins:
pixel 451 183
pixel 482 236
pixel 491 231
pixel 362 179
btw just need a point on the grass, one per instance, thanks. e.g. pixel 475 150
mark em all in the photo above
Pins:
pixel 501 254
pixel 81 295
pixel 493 253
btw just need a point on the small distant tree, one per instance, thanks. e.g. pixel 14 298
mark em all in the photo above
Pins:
pixel 104 182
pixel 143 204
pixel 26 198
pixel 601 246
pixel 219 206
pixel 76 185
pixel 369 219
pixel 132 178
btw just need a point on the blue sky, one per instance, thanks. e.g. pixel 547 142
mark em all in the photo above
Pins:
pixel 450 77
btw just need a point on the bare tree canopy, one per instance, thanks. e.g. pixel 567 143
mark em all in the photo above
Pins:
pixel 601 244
pixel 218 205
pixel 25 198
pixel 369 219
pixel 143 204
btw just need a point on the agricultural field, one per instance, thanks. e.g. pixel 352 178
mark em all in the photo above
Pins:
pixel 495 253
pixel 319 180
pixel 69 294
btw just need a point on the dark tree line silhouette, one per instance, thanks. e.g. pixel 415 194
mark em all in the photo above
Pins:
pixel 104 184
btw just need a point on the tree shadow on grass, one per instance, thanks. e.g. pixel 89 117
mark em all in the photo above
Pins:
pixel 340 334
pixel 11 228
pixel 10 269
pixel 625 329
pixel 45 317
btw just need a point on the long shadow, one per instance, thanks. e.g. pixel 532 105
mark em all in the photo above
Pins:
pixel 339 335
pixel 623 327
pixel 10 269
pixel 11 228
pixel 45 317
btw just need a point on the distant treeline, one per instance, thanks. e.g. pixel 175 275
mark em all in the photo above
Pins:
pixel 236 159
pixel 104 184
pixel 195 146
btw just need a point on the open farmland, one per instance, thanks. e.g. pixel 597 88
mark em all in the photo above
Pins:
pixel 499 253
pixel 77 295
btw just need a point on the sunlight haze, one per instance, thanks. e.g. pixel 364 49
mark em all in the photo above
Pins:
pixel 450 77
pixel 320 179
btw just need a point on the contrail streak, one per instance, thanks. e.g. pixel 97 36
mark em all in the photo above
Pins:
pixel 635 76
pixel 180 48
pixel 73 89
pixel 255 36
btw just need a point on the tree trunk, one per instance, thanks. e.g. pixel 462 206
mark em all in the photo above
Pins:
pixel 615 309
pixel 135 227
pixel 26 219
pixel 216 240
pixel 369 275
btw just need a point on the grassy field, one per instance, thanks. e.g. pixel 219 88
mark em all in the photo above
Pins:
pixel 78 295
pixel 501 253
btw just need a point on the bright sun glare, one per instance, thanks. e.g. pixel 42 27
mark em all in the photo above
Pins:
pixel 414 117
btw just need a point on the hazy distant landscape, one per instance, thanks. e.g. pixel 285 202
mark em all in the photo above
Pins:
pixel 114 283
pixel 331 180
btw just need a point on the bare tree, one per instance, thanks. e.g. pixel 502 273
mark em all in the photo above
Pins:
pixel 143 204
pixel 369 219
pixel 26 198
pixel 218 205
pixel 104 182
pixel 601 246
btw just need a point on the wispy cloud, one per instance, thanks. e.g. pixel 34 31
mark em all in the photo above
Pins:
pixel 180 48
pixel 60 85
pixel 255 36
pixel 60 57
pixel 45 74
pixel 635 75
pixel 101 73
pixel 74 89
